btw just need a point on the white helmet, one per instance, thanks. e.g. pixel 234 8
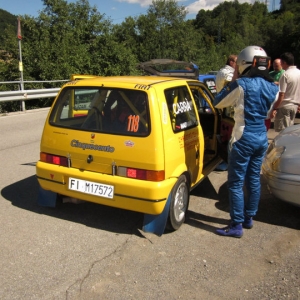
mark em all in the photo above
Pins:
pixel 245 58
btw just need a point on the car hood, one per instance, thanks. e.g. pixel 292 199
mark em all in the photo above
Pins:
pixel 289 136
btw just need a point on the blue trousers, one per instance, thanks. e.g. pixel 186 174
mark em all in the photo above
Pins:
pixel 245 160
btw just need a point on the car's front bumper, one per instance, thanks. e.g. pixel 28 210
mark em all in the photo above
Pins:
pixel 283 186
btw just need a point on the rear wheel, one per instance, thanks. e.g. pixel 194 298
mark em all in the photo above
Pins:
pixel 180 196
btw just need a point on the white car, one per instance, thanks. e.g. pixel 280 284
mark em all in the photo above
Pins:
pixel 281 165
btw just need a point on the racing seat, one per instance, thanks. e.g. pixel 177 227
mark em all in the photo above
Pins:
pixel 115 113
pixel 93 120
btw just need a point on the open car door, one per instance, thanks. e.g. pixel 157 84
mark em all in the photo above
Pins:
pixel 216 125
pixel 175 68
pixel 226 126
pixel 170 68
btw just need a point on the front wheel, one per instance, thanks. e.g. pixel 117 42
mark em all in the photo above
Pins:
pixel 180 196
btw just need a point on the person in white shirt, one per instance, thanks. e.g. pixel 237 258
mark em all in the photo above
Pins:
pixel 223 77
pixel 225 74
pixel 285 109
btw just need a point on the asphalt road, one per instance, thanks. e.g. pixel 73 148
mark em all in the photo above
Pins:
pixel 88 251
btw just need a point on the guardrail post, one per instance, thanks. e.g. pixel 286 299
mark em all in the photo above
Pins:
pixel 22 102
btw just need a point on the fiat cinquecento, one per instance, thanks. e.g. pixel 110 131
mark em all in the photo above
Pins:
pixel 137 143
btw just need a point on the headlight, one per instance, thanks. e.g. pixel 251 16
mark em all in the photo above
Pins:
pixel 271 147
pixel 273 157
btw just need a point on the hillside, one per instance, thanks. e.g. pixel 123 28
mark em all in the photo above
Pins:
pixel 6 19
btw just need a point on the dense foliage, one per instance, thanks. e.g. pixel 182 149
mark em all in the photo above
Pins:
pixel 68 38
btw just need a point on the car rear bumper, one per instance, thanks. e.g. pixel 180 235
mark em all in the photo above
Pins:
pixel 131 194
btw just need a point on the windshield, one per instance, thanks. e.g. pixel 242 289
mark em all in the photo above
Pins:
pixel 117 111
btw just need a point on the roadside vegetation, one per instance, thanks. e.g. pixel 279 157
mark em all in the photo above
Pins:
pixel 75 37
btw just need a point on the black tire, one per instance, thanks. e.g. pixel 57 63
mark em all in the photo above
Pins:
pixel 180 196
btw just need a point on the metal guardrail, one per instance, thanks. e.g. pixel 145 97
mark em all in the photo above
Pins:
pixel 22 94
pixel 28 94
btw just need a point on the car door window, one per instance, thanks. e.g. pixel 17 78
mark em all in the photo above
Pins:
pixel 181 108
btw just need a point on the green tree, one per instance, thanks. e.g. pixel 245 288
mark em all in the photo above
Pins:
pixel 69 38
pixel 164 33
pixel 65 38
pixel 6 20
pixel 73 37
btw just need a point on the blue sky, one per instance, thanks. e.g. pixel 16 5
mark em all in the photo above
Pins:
pixel 117 10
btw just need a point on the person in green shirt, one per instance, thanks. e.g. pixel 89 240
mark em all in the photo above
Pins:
pixel 275 74
pixel 277 70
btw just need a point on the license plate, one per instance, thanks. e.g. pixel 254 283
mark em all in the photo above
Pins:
pixel 92 188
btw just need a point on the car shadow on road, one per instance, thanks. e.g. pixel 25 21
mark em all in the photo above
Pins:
pixel 276 212
pixel 207 190
pixel 271 210
pixel 24 194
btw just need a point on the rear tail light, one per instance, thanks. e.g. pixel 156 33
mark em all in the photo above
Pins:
pixel 122 171
pixel 54 159
pixel 141 174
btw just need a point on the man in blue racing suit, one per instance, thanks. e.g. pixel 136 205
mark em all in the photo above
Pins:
pixel 252 95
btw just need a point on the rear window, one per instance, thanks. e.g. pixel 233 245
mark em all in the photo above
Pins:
pixel 181 108
pixel 116 111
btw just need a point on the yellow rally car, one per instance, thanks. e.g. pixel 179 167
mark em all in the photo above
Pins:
pixel 136 143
